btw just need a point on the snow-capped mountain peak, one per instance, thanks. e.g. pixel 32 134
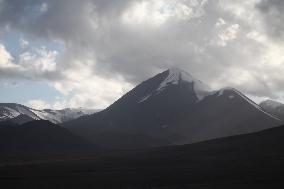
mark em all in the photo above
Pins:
pixel 176 76
pixel 173 79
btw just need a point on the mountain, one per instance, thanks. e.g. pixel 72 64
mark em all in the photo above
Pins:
pixel 273 107
pixel 39 138
pixel 22 114
pixel 172 107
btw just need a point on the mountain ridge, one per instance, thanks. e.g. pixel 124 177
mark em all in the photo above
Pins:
pixel 21 114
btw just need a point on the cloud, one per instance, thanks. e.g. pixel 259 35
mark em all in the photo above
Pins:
pixel 158 12
pixel 23 43
pixel 38 104
pixel 37 64
pixel 272 12
pixel 110 46
pixel 228 34
pixel 40 60
pixel 5 58
pixel 90 90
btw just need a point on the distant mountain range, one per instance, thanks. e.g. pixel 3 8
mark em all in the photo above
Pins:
pixel 172 108
pixel 21 114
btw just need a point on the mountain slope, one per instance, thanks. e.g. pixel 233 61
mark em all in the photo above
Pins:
pixel 174 108
pixel 274 108
pixel 22 114
pixel 226 112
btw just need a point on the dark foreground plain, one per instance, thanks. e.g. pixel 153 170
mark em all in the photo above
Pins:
pixel 245 161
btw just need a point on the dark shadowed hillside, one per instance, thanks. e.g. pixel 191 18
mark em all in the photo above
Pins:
pixel 245 161
pixel 39 138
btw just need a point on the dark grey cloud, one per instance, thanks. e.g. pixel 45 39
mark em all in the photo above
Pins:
pixel 94 29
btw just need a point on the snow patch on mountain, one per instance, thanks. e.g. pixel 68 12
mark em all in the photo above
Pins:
pixel 145 98
pixel 231 96
pixel 52 117
pixel 59 116
pixel 9 113
pixel 27 111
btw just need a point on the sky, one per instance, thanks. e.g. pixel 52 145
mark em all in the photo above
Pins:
pixel 71 53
